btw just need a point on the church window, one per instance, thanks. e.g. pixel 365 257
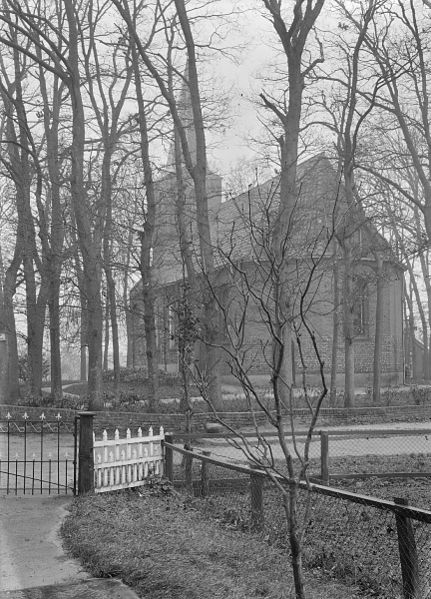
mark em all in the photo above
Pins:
pixel 172 327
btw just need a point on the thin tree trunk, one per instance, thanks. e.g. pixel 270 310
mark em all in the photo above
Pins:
pixel 126 303
pixel 378 336
pixel 290 508
pixel 20 159
pixel 54 250
pixel 106 342
pixel 7 324
pixel 111 298
pixel 211 355
pixel 130 338
pixel 409 336
pixel 54 336
pixel 349 348
pixel 147 243
pixel 335 332
pixel 88 246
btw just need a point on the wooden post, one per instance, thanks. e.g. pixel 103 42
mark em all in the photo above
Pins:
pixel 188 475
pixel 205 483
pixel 408 553
pixel 86 456
pixel 324 455
pixel 169 458
pixel 256 498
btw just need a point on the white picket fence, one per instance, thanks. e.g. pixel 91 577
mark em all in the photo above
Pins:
pixel 125 463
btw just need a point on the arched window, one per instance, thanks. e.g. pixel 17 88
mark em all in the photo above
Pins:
pixel 172 326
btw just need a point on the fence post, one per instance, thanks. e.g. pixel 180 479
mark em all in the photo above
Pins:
pixel 256 498
pixel 324 454
pixel 408 552
pixel 86 456
pixel 188 475
pixel 205 483
pixel 169 458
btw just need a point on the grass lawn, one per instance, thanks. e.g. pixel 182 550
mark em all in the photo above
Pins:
pixel 160 545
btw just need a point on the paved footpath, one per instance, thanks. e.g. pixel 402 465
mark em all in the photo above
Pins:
pixel 33 564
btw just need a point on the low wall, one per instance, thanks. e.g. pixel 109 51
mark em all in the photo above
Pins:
pixel 176 422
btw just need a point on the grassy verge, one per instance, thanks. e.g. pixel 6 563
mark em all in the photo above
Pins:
pixel 349 541
pixel 163 547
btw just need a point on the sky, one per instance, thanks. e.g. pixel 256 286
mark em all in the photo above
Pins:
pixel 256 51
pixel 237 80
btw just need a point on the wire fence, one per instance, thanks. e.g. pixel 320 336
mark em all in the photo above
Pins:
pixel 383 452
pixel 346 453
pixel 381 546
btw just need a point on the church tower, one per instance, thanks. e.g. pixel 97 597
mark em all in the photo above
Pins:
pixel 167 257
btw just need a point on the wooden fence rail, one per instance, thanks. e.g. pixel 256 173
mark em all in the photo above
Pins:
pixel 404 513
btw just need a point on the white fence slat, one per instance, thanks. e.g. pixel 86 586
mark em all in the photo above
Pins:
pixel 125 462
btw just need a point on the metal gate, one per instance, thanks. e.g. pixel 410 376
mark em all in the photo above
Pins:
pixel 38 456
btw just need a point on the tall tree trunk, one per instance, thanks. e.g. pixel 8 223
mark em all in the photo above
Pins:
pixel 349 348
pixel 335 331
pixel 126 302
pixel 8 282
pixel 110 282
pixel 88 246
pixel 83 329
pixel 130 360
pixel 106 341
pixel 410 341
pixel 111 297
pixel 146 237
pixel 187 348
pixel 54 335
pixel 423 319
pixel 210 315
pixel 378 335
pixel 54 249
pixel 20 158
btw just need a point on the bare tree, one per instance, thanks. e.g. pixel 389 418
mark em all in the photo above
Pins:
pixel 31 40
pixel 292 35
pixel 108 88
pixel 195 161
pixel 245 289
pixel 23 167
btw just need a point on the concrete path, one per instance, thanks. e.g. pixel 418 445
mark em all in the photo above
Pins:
pixel 32 561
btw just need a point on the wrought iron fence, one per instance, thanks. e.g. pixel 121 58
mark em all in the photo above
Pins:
pixel 37 456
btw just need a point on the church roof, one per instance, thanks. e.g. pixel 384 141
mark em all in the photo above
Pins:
pixel 241 228
pixel 243 225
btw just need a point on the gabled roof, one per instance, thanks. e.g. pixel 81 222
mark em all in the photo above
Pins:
pixel 243 225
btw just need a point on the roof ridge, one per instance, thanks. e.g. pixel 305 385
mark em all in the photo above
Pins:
pixel 315 157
